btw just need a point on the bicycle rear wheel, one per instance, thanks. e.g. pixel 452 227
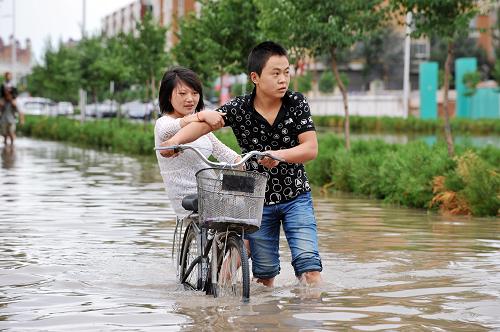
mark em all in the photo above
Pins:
pixel 191 255
pixel 233 275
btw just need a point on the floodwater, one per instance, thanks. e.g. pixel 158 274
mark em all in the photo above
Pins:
pixel 85 245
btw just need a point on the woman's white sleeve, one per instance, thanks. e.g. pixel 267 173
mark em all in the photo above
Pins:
pixel 221 151
pixel 165 128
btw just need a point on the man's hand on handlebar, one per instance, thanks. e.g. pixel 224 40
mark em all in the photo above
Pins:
pixel 214 119
pixel 270 162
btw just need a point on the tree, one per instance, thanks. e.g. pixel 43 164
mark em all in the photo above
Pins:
pixel 147 54
pixel 195 49
pixel 326 82
pixel 447 19
pixel 58 77
pixel 277 22
pixel 324 26
pixel 91 50
pixel 220 39
pixel 382 54
pixel 464 46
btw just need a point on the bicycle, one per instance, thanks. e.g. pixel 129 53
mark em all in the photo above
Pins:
pixel 212 256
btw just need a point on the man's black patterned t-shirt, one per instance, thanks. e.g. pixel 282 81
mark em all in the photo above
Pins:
pixel 253 132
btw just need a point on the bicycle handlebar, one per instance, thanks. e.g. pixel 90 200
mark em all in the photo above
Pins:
pixel 245 157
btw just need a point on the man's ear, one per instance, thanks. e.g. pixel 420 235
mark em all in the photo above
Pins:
pixel 254 77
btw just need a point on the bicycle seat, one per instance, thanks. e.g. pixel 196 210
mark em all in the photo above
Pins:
pixel 190 202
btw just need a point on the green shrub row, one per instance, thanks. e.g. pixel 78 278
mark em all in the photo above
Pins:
pixel 400 174
pixel 411 124
pixel 404 174
pixel 112 135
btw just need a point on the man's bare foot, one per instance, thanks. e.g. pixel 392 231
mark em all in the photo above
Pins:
pixel 266 282
pixel 312 278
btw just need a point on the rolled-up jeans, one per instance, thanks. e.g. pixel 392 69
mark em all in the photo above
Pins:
pixel 299 225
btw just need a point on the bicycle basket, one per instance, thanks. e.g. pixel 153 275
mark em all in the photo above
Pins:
pixel 230 199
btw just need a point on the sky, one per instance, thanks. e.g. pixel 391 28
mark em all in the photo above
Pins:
pixel 54 19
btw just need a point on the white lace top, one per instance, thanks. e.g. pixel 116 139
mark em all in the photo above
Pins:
pixel 178 173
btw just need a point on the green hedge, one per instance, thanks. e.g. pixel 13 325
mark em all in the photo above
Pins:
pixel 404 174
pixel 112 135
pixel 400 174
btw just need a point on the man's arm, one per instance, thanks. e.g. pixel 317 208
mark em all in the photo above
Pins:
pixel 214 119
pixel 193 127
pixel 189 133
pixel 306 150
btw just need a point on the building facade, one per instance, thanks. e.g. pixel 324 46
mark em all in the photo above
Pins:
pixel 166 12
pixel 23 58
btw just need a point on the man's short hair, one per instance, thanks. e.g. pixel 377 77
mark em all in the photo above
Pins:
pixel 261 53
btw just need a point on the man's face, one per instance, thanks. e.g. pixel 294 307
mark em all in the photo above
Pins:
pixel 8 77
pixel 275 77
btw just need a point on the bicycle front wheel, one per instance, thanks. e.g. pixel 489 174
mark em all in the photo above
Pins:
pixel 190 256
pixel 233 276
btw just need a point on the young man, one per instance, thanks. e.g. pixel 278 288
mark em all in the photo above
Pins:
pixel 8 110
pixel 278 121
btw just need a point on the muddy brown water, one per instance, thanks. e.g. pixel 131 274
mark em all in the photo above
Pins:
pixel 85 245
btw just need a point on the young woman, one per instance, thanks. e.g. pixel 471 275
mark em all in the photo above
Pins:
pixel 181 102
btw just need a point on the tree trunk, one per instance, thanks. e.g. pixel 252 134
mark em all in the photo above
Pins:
pixel 153 97
pixel 296 78
pixel 315 78
pixel 447 127
pixel 221 86
pixel 344 98
pixel 147 95
pixel 297 74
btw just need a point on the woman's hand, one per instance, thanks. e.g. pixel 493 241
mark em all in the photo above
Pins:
pixel 170 152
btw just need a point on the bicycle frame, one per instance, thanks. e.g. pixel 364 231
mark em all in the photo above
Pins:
pixel 210 243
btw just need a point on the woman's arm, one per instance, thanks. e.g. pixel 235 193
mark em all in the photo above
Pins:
pixel 214 119
pixel 221 151
pixel 209 121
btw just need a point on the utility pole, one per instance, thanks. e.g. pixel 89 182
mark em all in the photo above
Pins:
pixel 84 13
pixel 406 73
pixel 14 46
pixel 82 94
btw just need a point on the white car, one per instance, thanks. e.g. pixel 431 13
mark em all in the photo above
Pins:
pixel 106 109
pixel 138 110
pixel 35 105
pixel 64 108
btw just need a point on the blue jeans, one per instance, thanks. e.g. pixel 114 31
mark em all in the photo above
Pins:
pixel 299 225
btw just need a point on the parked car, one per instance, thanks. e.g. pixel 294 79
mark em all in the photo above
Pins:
pixel 35 105
pixel 106 109
pixel 63 108
pixel 138 110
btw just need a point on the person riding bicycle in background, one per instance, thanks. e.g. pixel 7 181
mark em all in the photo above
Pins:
pixel 276 120
pixel 181 103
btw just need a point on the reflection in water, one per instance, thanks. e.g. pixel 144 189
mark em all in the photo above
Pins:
pixel 85 240
pixel 8 156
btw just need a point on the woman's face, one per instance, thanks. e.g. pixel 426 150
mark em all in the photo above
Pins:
pixel 184 100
